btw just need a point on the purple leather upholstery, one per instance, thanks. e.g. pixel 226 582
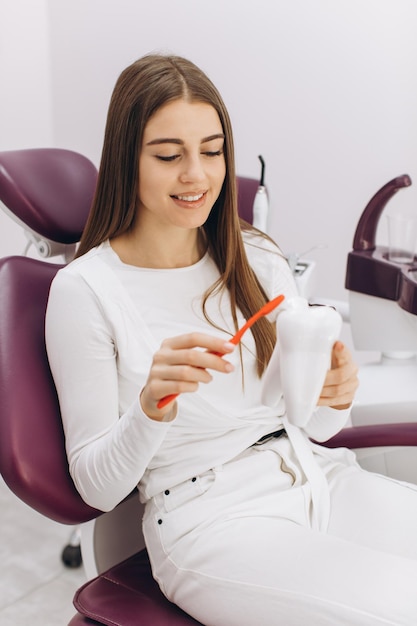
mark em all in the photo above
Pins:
pixel 32 454
pixel 246 192
pixel 373 436
pixel 139 600
pixel 49 189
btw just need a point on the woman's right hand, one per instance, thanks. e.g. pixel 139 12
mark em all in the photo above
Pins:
pixel 179 366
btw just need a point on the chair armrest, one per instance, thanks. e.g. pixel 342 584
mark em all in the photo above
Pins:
pixel 402 434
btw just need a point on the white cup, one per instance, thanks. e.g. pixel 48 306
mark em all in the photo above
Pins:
pixel 402 238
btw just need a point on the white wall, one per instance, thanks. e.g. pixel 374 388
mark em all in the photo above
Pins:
pixel 324 90
pixel 25 91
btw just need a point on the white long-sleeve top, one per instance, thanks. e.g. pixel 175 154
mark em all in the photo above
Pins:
pixel 104 322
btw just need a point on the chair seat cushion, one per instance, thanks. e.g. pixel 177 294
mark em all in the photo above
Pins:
pixel 127 595
pixel 80 620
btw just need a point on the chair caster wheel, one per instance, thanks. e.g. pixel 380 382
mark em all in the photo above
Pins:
pixel 71 556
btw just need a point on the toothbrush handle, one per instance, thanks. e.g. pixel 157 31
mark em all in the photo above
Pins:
pixel 166 400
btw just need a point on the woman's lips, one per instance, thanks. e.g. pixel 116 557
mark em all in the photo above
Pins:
pixel 189 197
pixel 190 200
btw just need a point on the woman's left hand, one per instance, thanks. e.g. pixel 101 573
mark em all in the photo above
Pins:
pixel 341 380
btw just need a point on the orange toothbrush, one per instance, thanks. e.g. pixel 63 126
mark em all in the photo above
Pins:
pixel 264 310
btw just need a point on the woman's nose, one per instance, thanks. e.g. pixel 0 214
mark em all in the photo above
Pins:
pixel 193 170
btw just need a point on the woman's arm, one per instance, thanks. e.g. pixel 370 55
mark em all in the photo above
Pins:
pixel 107 452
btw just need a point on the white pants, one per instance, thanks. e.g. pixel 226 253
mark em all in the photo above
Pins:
pixel 236 547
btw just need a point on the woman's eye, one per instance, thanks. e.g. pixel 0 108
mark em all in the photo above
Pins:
pixel 213 153
pixel 174 157
pixel 167 158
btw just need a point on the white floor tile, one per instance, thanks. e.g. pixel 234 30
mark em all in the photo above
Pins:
pixel 48 605
pixel 35 586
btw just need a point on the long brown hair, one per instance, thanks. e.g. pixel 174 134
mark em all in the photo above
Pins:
pixel 140 91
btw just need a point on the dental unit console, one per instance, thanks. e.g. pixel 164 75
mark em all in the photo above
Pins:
pixel 301 358
pixel 383 293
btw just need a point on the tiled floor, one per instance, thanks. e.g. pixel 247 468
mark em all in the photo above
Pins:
pixel 35 586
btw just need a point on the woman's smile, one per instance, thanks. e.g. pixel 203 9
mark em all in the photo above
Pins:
pixel 190 200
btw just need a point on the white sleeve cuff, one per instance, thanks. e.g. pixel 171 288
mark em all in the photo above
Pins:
pixel 326 422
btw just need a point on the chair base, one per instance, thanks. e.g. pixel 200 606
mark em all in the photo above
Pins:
pixel 127 594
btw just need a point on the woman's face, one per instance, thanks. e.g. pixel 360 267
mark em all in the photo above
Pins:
pixel 181 165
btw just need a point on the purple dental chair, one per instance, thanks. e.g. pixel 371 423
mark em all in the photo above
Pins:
pixel 50 191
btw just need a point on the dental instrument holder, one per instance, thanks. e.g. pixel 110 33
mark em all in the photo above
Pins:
pixel 261 204
pixel 302 269
pixel 382 293
pixel 302 357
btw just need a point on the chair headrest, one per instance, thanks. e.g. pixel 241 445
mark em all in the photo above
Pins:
pixel 50 190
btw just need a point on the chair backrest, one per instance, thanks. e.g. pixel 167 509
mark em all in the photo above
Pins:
pixel 39 186
pixel 246 189
pixel 32 451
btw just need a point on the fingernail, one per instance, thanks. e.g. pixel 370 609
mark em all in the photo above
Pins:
pixel 229 367
pixel 229 346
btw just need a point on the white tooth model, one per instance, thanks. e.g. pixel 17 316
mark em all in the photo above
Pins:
pixel 301 358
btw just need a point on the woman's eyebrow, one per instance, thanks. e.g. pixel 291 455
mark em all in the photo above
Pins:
pixel 180 142
pixel 211 137
pixel 155 142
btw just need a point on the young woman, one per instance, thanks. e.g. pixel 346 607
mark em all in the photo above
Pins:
pixel 242 529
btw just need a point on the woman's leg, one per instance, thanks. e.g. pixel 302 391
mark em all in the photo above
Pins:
pixel 263 571
pixel 244 554
pixel 376 512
